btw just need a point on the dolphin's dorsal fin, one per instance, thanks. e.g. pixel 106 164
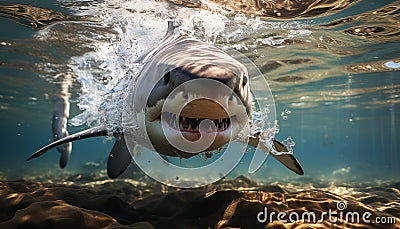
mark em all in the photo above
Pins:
pixel 171 28
pixel 146 55
pixel 119 158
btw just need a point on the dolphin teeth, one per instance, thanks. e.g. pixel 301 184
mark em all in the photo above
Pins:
pixel 193 124
pixel 216 122
pixel 219 124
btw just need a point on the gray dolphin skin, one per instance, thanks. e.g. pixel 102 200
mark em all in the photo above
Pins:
pixel 167 67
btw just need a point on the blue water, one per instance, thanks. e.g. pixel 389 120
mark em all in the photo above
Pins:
pixel 344 101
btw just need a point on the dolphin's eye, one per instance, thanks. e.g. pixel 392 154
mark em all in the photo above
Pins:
pixel 167 77
pixel 245 79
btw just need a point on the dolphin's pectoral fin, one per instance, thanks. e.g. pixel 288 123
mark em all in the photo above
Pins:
pixel 290 162
pixel 119 158
pixel 287 160
pixel 89 133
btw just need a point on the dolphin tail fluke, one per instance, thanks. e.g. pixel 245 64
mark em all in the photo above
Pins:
pixel 119 158
pixel 89 133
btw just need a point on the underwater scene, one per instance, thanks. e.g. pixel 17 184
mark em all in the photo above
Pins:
pixel 301 101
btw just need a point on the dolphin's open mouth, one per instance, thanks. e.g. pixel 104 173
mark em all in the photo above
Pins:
pixel 198 119
pixel 192 125
pixel 196 111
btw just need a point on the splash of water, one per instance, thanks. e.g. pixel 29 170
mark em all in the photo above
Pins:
pixel 106 72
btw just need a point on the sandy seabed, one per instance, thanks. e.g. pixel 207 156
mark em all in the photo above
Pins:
pixel 86 201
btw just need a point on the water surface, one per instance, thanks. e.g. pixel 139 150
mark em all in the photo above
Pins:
pixel 332 66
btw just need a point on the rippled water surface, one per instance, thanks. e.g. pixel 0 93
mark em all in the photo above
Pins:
pixel 333 68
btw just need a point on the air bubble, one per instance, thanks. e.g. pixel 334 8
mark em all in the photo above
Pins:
pixel 285 113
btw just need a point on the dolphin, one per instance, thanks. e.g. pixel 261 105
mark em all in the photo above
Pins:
pixel 176 60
